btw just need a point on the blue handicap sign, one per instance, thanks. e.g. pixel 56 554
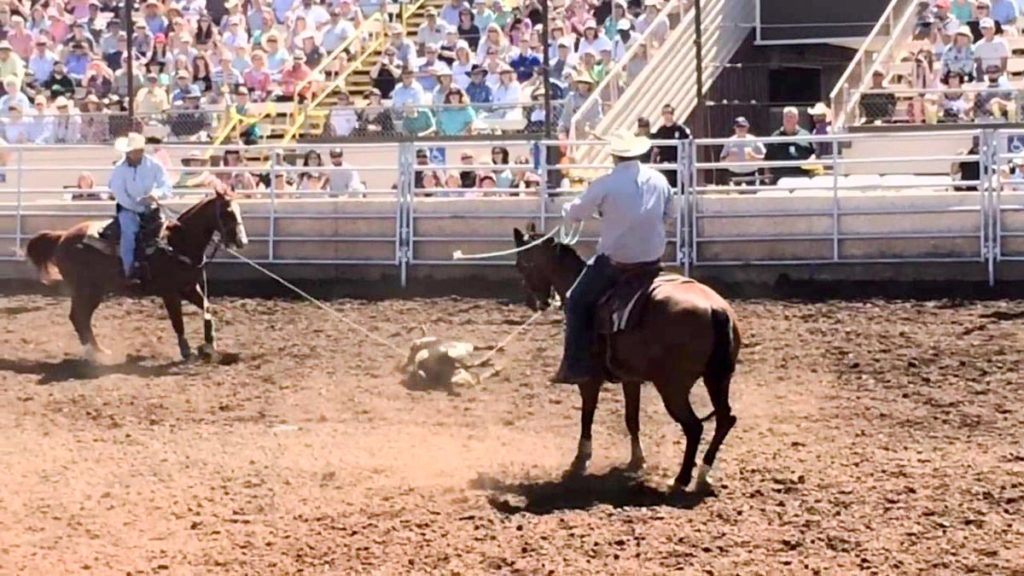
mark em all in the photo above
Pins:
pixel 1015 144
pixel 437 156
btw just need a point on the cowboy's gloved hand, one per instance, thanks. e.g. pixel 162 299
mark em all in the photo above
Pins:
pixel 149 199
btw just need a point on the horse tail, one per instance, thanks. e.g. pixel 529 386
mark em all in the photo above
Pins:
pixel 721 362
pixel 41 250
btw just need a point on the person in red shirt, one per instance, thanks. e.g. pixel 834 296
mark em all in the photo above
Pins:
pixel 20 38
pixel 293 76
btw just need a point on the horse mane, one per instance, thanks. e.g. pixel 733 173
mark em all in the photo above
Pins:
pixel 191 210
pixel 219 193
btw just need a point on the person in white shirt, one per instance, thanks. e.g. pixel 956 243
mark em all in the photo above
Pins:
pixel 431 32
pixel 991 50
pixel 742 147
pixel 316 16
pixel 624 40
pixel 67 124
pixel 138 182
pixel 635 203
pixel 450 12
pixel 42 59
pixel 343 179
pixel 17 128
pixel 507 95
pixel 13 95
pixel 343 117
pixel 592 40
pixel 336 32
pixel 236 35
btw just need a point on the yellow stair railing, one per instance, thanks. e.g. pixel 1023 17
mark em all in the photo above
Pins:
pixel 378 29
pixel 235 123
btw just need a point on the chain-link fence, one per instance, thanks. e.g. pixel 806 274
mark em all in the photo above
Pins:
pixel 1000 102
pixel 388 121
pixel 73 127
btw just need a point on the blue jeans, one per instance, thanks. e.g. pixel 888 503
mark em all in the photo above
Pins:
pixel 129 222
pixel 597 278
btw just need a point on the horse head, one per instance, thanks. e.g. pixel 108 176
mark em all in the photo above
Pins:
pixel 228 218
pixel 538 266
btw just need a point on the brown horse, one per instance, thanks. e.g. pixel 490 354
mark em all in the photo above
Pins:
pixel 91 268
pixel 685 331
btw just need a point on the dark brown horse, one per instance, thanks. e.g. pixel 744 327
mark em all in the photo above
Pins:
pixel 686 331
pixel 91 268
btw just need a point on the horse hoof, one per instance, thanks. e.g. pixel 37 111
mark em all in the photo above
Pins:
pixel 94 354
pixel 703 487
pixel 636 465
pixel 678 486
pixel 577 468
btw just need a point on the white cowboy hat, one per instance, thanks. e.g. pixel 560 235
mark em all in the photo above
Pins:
pixel 819 110
pixel 625 144
pixel 133 141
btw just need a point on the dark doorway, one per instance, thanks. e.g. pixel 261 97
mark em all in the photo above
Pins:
pixel 794 86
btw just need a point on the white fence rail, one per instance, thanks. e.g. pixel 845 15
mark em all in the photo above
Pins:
pixel 729 213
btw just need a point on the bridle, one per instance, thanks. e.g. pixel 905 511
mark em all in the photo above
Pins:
pixel 216 239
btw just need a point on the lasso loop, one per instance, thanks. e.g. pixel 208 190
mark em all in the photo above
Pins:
pixel 568 235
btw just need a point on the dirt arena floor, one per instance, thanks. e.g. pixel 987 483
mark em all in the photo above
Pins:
pixel 874 437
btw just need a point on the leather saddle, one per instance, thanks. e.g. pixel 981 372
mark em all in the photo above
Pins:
pixel 622 307
pixel 105 236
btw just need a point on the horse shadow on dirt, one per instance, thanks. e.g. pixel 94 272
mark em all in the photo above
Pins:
pixel 618 487
pixel 70 369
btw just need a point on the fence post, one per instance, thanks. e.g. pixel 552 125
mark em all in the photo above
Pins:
pixel 682 154
pixel 835 200
pixel 544 195
pixel 20 201
pixel 406 196
pixel 991 150
pixel 273 206
pixel 690 210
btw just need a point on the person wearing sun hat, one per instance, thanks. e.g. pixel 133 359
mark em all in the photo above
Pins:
pixel 138 182
pixel 959 56
pixel 582 85
pixel 10 63
pixel 821 125
pixel 635 202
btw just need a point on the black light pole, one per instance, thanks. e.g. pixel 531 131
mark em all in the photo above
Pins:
pixel 547 68
pixel 129 8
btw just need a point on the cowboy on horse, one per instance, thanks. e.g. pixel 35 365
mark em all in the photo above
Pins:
pixel 634 202
pixel 85 258
pixel 138 183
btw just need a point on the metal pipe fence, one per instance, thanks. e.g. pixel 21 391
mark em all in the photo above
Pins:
pixel 412 209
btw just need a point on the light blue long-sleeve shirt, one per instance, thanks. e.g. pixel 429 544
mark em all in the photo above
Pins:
pixel 635 202
pixel 130 184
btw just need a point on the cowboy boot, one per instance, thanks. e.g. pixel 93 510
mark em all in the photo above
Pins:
pixel 575 365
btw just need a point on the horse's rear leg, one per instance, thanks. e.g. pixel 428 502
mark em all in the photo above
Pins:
pixel 718 390
pixel 631 391
pixel 676 397
pixel 84 302
pixel 589 393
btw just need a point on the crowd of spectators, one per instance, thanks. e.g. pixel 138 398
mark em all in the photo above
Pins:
pixel 957 66
pixel 65 80
pixel 484 61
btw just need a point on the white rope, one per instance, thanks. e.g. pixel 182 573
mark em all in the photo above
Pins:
pixel 565 236
pixel 509 338
pixel 327 308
